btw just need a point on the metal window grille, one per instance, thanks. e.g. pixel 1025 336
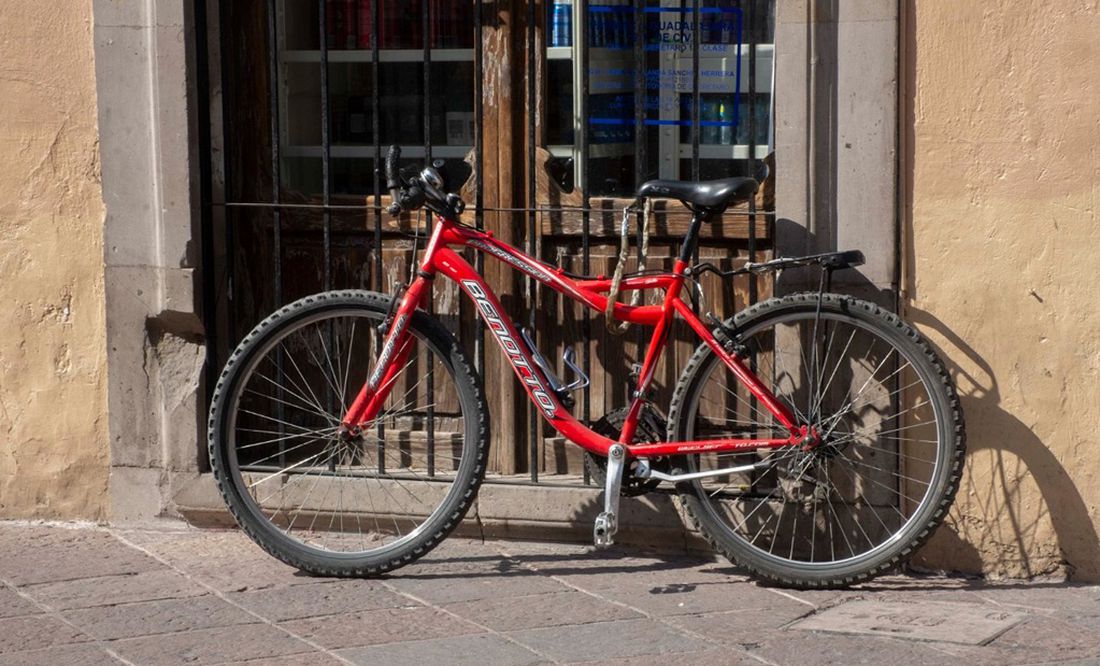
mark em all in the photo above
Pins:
pixel 247 199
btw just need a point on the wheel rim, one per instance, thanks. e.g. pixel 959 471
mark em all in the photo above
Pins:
pixel 880 463
pixel 344 497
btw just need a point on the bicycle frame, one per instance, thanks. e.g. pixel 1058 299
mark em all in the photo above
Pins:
pixel 440 258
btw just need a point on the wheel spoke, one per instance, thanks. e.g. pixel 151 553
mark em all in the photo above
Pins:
pixel 322 488
pixel 843 381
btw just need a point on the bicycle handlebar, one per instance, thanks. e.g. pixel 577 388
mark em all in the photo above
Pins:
pixel 393 179
pixel 416 191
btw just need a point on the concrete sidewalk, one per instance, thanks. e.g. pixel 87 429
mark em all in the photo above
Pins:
pixel 178 595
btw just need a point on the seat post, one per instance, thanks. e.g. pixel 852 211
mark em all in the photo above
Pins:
pixel 692 237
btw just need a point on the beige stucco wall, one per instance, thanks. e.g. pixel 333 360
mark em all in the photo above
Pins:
pixel 1002 253
pixel 53 436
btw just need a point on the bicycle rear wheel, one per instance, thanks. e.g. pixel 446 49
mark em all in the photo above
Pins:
pixel 332 504
pixel 892 444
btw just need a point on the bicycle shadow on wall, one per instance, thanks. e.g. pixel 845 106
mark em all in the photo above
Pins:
pixel 1002 523
pixel 1015 494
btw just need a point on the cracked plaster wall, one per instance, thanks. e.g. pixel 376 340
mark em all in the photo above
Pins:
pixel 1001 254
pixel 53 424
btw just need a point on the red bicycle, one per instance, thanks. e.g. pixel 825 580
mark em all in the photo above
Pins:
pixel 815 439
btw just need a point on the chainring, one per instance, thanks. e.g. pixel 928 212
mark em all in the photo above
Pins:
pixel 652 428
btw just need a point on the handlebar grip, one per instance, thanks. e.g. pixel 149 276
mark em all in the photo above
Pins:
pixel 392 156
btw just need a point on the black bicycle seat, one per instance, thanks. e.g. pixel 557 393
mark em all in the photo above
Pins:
pixel 708 194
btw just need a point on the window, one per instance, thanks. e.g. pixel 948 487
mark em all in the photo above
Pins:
pixel 353 99
pixel 641 59
pixel 313 91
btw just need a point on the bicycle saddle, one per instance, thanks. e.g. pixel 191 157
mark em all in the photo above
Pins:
pixel 708 194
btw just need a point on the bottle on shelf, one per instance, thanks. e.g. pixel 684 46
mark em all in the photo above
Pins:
pixel 561 23
pixel 365 25
pixel 340 25
pixel 725 115
pixel 597 22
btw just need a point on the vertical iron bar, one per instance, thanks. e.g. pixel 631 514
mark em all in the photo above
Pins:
pixel 230 236
pixel 581 7
pixel 752 101
pixel 752 17
pixel 426 24
pixel 696 117
pixel 206 212
pixel 326 147
pixel 376 130
pixel 479 172
pixel 276 180
pixel 532 244
pixel 331 399
pixel 640 156
pixel 640 94
pixel 696 100
pixel 276 173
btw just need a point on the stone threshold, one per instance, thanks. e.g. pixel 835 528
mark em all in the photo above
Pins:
pixel 557 509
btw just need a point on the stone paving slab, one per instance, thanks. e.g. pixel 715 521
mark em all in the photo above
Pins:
pixel 541 610
pixel 472 586
pixel 157 617
pixel 300 659
pixel 791 647
pixel 592 642
pixel 173 595
pixel 1039 640
pixel 85 654
pixel 211 646
pixel 224 560
pixel 30 632
pixel 328 597
pixel 41 556
pixel 713 657
pixel 388 625
pixel 471 650
pixel 12 604
pixel 944 622
pixel 111 590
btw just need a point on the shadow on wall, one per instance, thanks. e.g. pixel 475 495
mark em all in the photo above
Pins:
pixel 996 527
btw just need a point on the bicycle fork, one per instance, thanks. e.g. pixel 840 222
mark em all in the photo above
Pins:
pixel 391 359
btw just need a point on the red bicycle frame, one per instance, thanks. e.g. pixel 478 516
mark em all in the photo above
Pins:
pixel 440 258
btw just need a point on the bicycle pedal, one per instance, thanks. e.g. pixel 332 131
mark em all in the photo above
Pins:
pixel 603 532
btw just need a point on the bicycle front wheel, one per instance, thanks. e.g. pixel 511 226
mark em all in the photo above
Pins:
pixel 326 502
pixel 891 451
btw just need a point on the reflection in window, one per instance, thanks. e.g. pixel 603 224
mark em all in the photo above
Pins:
pixel 733 120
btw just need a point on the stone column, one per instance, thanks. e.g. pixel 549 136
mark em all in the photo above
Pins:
pixel 144 65
pixel 836 138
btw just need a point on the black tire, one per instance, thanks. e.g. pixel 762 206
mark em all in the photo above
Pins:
pixel 380 465
pixel 814 482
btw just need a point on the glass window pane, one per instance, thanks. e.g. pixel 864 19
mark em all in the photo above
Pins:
pixel 350 107
pixel 733 121
pixel 452 104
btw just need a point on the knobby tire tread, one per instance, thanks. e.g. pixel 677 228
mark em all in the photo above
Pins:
pixel 899 555
pixel 466 380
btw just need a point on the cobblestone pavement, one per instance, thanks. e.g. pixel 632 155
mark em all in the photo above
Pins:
pixel 176 595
